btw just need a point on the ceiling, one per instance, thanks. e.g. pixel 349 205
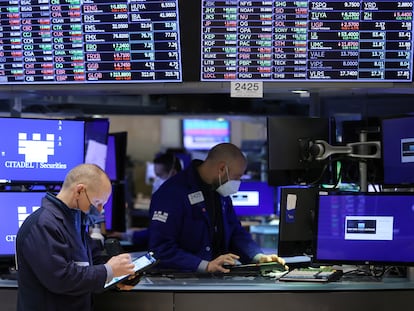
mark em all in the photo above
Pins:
pixel 202 98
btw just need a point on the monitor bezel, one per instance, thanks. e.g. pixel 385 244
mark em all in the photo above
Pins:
pixel 289 137
pixel 385 182
pixel 288 246
pixel 204 149
pixel 260 210
pixel 47 182
pixel 355 262
pixel 42 193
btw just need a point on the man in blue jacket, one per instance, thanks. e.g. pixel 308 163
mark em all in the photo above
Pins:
pixel 193 224
pixel 56 270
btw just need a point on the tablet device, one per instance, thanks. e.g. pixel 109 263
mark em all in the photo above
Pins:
pixel 141 263
pixel 255 267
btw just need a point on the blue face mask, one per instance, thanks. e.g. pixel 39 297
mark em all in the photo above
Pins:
pixel 94 216
pixel 157 183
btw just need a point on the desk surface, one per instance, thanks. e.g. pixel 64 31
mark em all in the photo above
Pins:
pixel 242 283
pixel 248 283
pixel 244 294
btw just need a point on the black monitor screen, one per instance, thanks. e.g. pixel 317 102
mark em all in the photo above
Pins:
pixel 117 155
pixel 254 198
pixel 398 151
pixel 115 209
pixel 288 138
pixel 297 220
pixel 39 150
pixel 14 209
pixel 96 136
pixel 365 228
pixel 110 161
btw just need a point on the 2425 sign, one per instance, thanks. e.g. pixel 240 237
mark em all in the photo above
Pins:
pixel 246 89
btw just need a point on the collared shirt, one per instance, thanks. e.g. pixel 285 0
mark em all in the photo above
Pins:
pixel 214 209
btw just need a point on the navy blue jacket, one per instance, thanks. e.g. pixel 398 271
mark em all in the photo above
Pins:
pixel 180 228
pixel 55 266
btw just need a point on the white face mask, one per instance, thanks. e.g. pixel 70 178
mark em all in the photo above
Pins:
pixel 157 183
pixel 229 187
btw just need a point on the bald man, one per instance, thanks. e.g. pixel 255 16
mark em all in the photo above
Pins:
pixel 193 224
pixel 56 270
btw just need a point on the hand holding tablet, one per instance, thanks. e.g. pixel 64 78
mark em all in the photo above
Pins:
pixel 141 264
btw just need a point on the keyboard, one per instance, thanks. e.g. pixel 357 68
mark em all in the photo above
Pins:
pixel 311 275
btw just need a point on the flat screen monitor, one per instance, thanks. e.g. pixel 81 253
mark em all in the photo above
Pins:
pixel 203 134
pixel 116 156
pixel 397 147
pixel 39 150
pixel 289 161
pixel 110 160
pixel 79 42
pixel 254 198
pixel 297 221
pixel 115 209
pixel 14 209
pixel 302 41
pixel 96 136
pixel 365 228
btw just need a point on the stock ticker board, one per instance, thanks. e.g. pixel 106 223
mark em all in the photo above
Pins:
pixel 363 41
pixel 89 41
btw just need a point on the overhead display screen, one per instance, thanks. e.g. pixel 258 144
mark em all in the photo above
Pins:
pixel 369 41
pixel 86 41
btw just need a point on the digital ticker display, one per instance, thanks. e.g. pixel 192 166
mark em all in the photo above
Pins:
pixel 307 40
pixel 79 41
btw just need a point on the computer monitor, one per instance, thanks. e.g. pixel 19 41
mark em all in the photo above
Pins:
pixel 110 160
pixel 96 137
pixel 254 198
pixel 115 165
pixel 297 221
pixel 39 151
pixel 289 158
pixel 397 147
pixel 115 209
pixel 203 134
pixel 365 228
pixel 14 208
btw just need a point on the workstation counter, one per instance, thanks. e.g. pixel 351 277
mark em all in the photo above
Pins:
pixel 168 293
pixel 257 293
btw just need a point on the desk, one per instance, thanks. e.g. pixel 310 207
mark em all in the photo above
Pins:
pixel 248 293
pixel 245 293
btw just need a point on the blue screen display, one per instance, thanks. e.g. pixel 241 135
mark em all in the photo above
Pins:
pixel 254 198
pixel 365 228
pixel 39 150
pixel 108 213
pixel 203 134
pixel 398 151
pixel 14 209
pixel 110 162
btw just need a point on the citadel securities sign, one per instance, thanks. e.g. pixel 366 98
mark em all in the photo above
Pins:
pixel 22 164
pixel 40 150
pixel 16 206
